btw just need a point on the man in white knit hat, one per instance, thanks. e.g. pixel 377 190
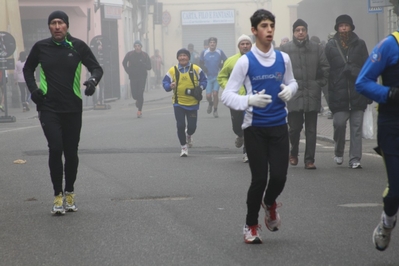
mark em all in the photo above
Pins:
pixel 244 45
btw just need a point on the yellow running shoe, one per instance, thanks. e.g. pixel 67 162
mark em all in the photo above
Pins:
pixel 70 202
pixel 58 207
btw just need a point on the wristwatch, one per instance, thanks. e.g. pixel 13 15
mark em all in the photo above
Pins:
pixel 93 79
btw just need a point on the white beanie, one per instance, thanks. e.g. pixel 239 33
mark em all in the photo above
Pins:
pixel 244 38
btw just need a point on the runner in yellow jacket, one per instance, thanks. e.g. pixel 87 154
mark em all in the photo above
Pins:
pixel 244 45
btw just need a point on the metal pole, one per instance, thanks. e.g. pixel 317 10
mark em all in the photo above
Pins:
pixel 4 85
pixel 6 117
pixel 146 39
pixel 378 29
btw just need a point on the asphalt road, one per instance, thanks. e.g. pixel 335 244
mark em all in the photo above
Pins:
pixel 141 204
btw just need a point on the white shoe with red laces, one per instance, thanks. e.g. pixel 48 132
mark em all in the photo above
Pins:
pixel 272 218
pixel 251 234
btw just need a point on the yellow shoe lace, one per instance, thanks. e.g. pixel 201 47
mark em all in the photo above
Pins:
pixel 69 198
pixel 58 200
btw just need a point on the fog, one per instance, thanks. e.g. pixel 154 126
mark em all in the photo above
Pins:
pixel 170 25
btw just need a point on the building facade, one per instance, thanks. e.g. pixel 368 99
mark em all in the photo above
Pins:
pixel 110 27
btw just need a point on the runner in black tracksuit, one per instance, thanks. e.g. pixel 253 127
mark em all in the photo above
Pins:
pixel 59 99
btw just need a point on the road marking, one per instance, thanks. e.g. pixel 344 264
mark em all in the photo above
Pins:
pixel 372 155
pixel 151 109
pixel 16 129
pixel 153 198
pixel 225 158
pixel 360 205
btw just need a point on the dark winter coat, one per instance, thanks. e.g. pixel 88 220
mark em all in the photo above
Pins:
pixel 310 68
pixel 342 95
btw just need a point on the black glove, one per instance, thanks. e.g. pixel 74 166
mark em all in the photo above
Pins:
pixel 393 95
pixel 37 96
pixel 90 87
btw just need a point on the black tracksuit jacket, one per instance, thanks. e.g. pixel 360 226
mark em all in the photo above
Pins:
pixel 60 72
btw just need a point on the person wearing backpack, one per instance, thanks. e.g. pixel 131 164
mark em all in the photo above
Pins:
pixel 186 81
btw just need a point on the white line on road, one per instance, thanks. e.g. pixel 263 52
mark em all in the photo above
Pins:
pixel 360 205
pixel 17 129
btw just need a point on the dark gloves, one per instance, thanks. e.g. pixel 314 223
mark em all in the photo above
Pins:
pixel 90 87
pixel 37 96
pixel 393 95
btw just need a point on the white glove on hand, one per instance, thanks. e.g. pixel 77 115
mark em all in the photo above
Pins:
pixel 285 93
pixel 260 99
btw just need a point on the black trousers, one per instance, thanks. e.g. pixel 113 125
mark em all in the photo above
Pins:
pixel 236 119
pixel 62 131
pixel 295 121
pixel 181 115
pixel 388 141
pixel 137 86
pixel 267 151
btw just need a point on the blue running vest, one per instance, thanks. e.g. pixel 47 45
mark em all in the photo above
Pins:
pixel 269 79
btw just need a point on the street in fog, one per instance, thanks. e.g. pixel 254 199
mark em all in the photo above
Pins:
pixel 141 204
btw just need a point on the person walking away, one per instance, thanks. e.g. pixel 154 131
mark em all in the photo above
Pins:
pixel 384 61
pixel 317 40
pixel 307 59
pixel 346 54
pixel 194 58
pixel 211 61
pixel 283 41
pixel 136 64
pixel 186 81
pixel 265 126
pixel 3 88
pixel 325 88
pixel 20 80
pixel 58 100
pixel 237 116
pixel 157 63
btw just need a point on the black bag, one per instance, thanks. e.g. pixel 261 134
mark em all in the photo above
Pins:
pixel 198 93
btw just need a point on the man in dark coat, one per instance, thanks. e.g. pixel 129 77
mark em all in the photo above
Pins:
pixel 346 53
pixel 310 68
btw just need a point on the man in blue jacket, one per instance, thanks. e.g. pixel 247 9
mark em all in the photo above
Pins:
pixel 384 61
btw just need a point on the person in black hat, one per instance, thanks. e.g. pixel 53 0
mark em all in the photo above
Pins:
pixel 136 64
pixel 182 80
pixel 311 73
pixel 58 100
pixel 346 53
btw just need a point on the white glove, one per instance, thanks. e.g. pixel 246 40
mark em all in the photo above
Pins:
pixel 260 99
pixel 285 93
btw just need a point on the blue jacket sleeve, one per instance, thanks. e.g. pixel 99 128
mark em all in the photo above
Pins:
pixel 166 82
pixel 203 81
pixel 384 54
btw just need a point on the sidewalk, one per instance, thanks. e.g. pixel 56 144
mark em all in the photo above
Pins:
pixel 325 130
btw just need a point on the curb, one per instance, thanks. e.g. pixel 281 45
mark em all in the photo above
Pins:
pixel 325 138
